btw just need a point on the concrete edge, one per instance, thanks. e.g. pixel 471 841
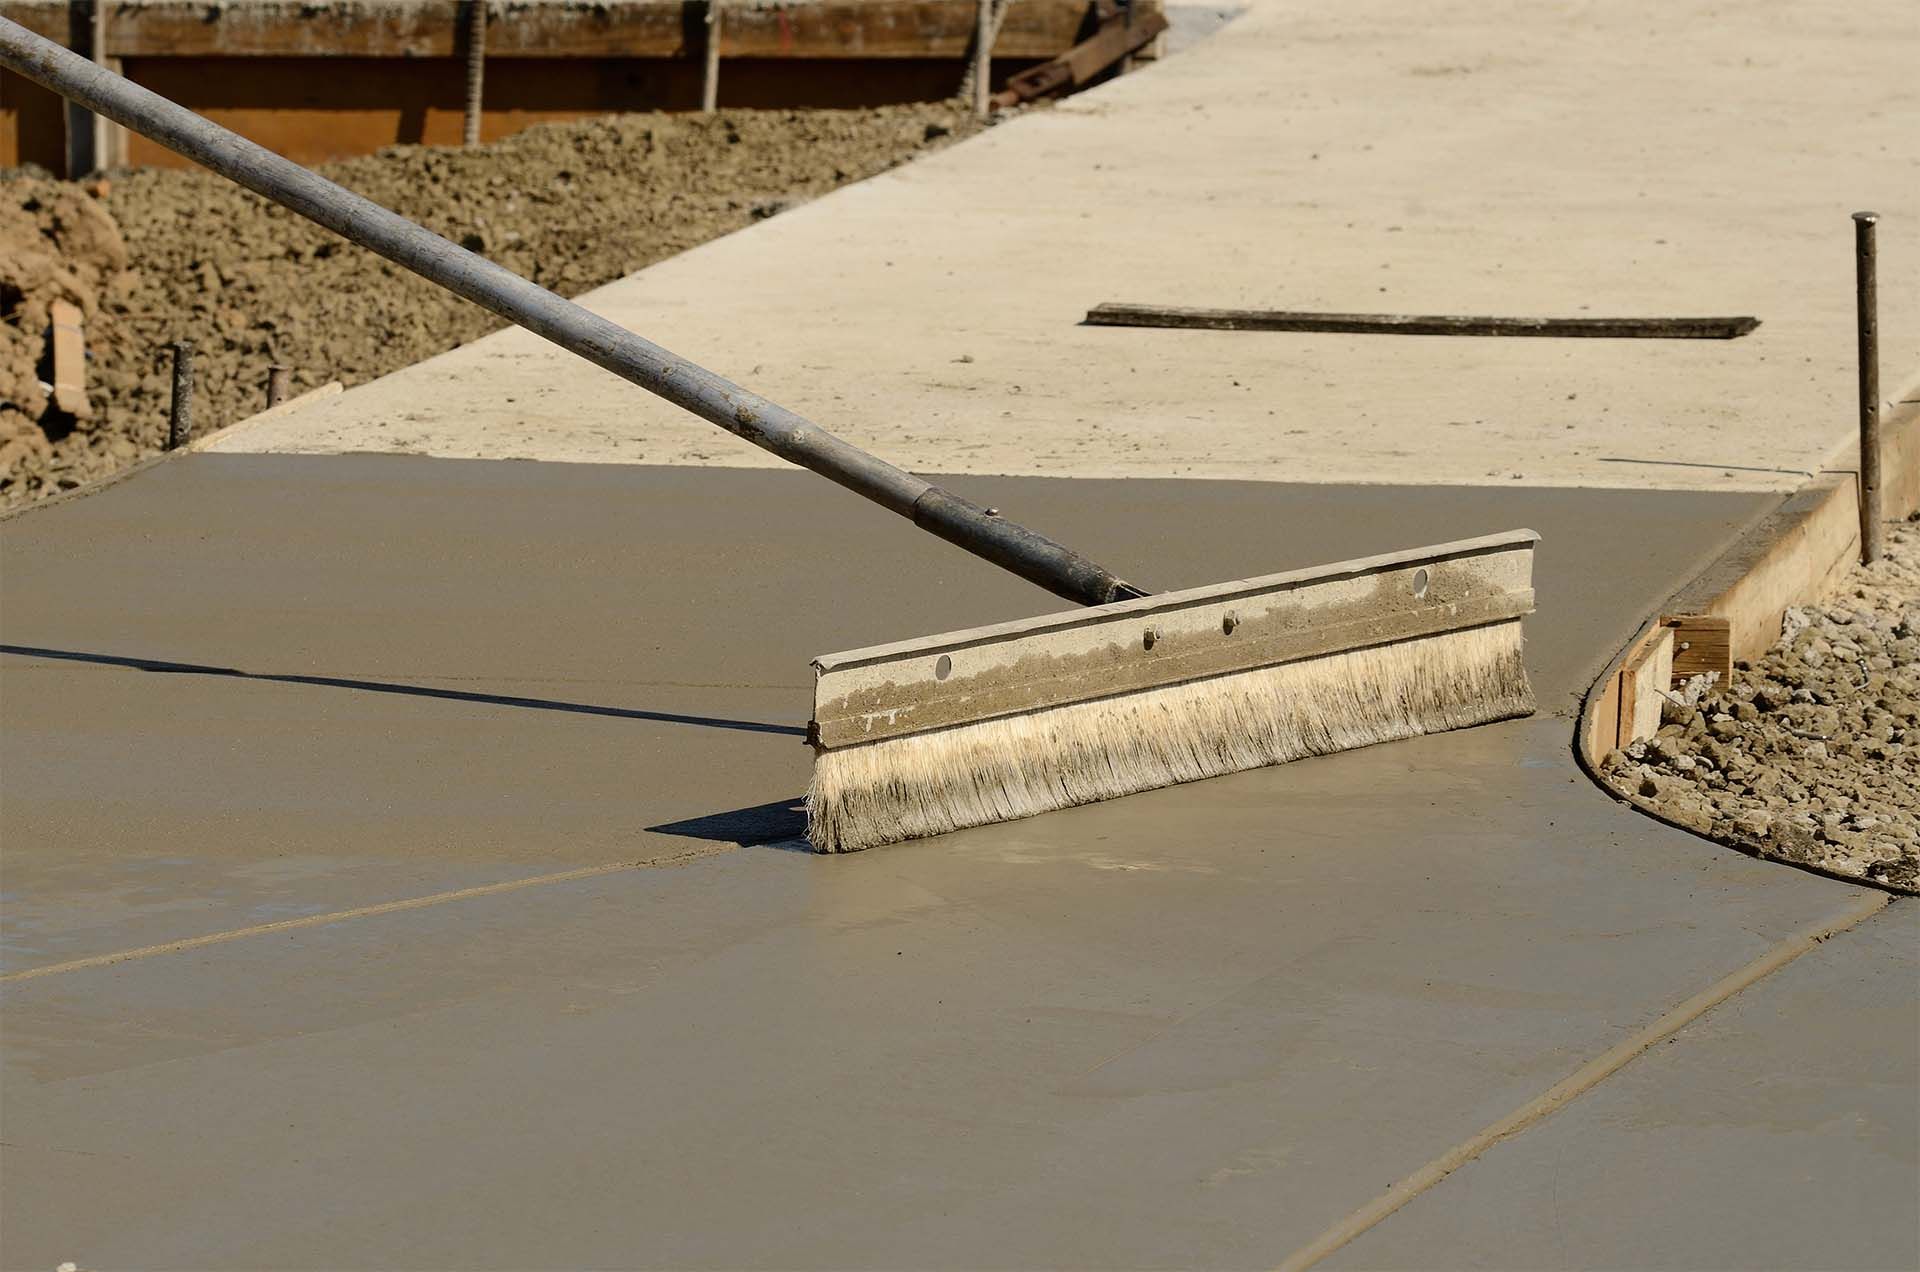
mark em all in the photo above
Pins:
pixel 93 487
pixel 1783 558
pixel 141 465
pixel 332 388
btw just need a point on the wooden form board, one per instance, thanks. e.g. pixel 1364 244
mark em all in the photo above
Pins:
pixel 1732 611
pixel 314 110
pixel 316 80
pixel 1645 678
pixel 637 29
pixel 1625 706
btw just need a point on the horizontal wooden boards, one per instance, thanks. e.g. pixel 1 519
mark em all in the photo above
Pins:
pixel 647 29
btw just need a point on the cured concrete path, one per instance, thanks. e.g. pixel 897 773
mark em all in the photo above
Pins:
pixel 397 874
pixel 1641 157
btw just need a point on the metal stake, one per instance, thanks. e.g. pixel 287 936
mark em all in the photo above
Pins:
pixel 180 418
pixel 279 379
pixel 1872 532
pixel 710 82
pixel 476 66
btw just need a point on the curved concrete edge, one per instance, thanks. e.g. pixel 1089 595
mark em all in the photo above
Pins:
pixel 1784 558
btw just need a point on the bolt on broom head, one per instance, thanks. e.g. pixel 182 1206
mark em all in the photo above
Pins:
pixel 938 734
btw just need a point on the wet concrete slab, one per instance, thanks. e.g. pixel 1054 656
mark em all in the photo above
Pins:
pixel 336 680
pixel 1782 1130
pixel 1194 1026
pixel 1173 1032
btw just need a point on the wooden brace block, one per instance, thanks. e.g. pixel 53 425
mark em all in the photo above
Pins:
pixel 1701 643
pixel 69 361
pixel 1604 726
pixel 1644 679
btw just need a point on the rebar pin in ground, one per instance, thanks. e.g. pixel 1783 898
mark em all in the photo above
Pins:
pixel 1867 305
pixel 180 412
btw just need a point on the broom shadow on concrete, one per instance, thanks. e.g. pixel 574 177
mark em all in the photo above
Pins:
pixel 781 823
pixel 168 667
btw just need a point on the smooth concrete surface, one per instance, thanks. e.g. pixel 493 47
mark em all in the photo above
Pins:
pixel 1191 1028
pixel 1781 1130
pixel 1637 158
pixel 611 649
pixel 1177 1032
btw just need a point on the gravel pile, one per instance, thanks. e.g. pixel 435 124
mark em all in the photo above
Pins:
pixel 1812 754
pixel 154 255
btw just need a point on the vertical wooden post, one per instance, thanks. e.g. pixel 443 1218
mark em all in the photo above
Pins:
pixel 106 133
pixel 710 81
pixel 1866 298
pixel 82 126
pixel 982 55
pixel 476 68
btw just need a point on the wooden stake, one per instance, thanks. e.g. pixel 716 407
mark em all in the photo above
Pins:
pixel 108 137
pixel 982 55
pixel 710 81
pixel 1701 643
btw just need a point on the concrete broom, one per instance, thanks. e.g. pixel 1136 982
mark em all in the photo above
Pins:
pixel 1132 693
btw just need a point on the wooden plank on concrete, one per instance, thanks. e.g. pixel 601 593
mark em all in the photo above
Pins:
pixel 1124 315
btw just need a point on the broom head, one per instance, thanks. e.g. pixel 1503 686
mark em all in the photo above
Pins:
pixel 927 736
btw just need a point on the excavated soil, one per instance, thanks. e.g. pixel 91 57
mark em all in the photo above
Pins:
pixel 152 256
pixel 1812 754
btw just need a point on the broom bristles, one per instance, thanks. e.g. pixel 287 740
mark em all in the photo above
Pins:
pixel 1018 766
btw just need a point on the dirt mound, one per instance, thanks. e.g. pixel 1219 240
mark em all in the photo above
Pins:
pixel 56 243
pixel 570 206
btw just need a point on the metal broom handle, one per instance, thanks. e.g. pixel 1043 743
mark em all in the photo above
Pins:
pixel 714 399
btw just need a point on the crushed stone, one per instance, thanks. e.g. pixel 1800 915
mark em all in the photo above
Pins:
pixel 153 255
pixel 1812 754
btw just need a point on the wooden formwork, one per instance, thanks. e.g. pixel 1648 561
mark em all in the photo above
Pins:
pixel 325 79
pixel 1733 610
